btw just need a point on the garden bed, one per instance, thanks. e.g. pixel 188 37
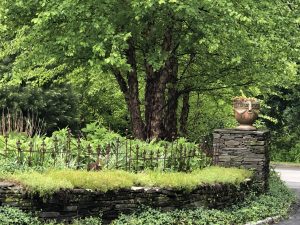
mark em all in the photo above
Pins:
pixel 50 181
pixel 68 194
pixel 275 203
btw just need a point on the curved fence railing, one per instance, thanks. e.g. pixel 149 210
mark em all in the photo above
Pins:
pixel 126 154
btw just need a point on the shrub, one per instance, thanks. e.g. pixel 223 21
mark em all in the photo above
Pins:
pixel 55 105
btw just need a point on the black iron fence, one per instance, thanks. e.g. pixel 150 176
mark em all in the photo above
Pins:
pixel 123 154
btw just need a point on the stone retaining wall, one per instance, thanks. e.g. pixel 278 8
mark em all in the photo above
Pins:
pixel 246 149
pixel 70 204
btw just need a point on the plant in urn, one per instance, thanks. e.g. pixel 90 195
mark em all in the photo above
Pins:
pixel 246 112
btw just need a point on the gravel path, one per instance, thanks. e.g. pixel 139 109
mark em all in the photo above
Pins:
pixel 292 177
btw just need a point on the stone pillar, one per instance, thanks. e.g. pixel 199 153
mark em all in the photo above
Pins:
pixel 246 149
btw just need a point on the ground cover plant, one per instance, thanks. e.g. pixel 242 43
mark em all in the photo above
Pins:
pixel 47 182
pixel 276 202
pixel 14 216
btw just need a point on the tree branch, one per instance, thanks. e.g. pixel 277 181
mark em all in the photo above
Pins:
pixel 190 89
pixel 121 81
pixel 192 57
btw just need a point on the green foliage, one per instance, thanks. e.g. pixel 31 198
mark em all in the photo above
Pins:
pixel 209 112
pixel 88 221
pixel 286 154
pixel 190 181
pixel 11 165
pixel 212 46
pixel 50 181
pixel 55 106
pixel 100 99
pixel 284 107
pixel 97 136
pixel 276 202
pixel 60 59
pixel 14 216
pixel 37 183
pixel 102 180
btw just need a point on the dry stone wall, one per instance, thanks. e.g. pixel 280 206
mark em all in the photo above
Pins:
pixel 246 149
pixel 69 204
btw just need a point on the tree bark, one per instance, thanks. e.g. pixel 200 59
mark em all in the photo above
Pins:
pixel 156 82
pixel 130 90
pixel 133 94
pixel 154 102
pixel 170 117
pixel 184 113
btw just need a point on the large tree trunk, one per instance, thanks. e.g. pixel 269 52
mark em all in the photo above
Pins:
pixel 130 90
pixel 184 113
pixel 154 102
pixel 133 104
pixel 156 82
pixel 155 90
pixel 133 92
pixel 170 118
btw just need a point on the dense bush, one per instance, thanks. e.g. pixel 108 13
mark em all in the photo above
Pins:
pixel 285 148
pixel 55 105
pixel 284 108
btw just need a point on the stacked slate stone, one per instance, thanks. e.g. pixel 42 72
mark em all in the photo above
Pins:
pixel 244 149
pixel 66 205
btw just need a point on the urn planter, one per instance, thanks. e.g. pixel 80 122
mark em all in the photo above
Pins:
pixel 246 112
